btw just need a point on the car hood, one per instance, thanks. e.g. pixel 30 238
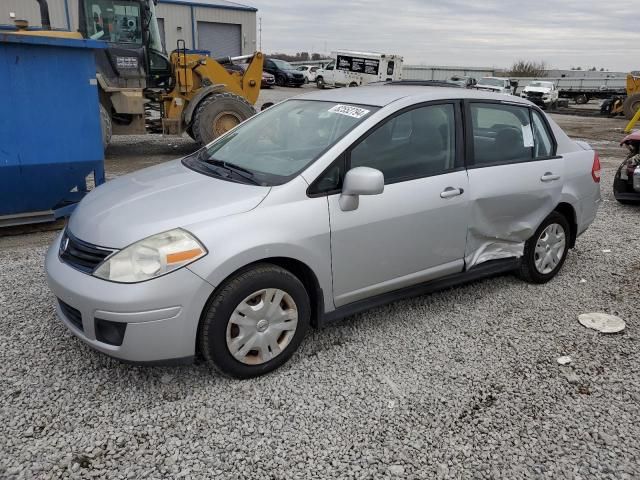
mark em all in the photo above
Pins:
pixel 537 89
pixel 157 199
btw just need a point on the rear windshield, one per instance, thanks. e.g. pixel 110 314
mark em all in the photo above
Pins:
pixel 279 143
pixel 494 82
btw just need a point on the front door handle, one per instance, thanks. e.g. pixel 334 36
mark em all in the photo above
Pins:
pixel 451 192
pixel 549 177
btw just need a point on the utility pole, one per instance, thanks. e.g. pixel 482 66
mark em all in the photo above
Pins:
pixel 260 44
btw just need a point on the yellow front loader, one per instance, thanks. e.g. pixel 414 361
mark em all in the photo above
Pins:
pixel 144 90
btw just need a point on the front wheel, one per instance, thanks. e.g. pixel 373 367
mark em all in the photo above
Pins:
pixel 255 323
pixel 320 82
pixel 546 251
pixel 281 81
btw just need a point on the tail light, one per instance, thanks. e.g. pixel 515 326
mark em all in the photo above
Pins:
pixel 595 169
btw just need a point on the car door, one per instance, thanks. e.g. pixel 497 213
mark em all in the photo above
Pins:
pixel 329 73
pixel 515 178
pixel 416 229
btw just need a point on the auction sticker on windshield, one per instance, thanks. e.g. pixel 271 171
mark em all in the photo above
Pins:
pixel 350 111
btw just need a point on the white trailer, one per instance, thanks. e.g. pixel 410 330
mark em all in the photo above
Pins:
pixel 352 69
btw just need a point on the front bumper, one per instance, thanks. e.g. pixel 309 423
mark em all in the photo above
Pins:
pixel 161 315
pixel 295 81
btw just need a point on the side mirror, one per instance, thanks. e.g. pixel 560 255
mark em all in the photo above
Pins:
pixel 360 181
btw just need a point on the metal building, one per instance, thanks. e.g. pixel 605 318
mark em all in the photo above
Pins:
pixel 219 26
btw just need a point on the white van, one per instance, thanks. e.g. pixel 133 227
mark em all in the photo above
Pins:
pixel 352 69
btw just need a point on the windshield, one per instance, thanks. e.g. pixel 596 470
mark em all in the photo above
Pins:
pixel 278 144
pixel 493 82
pixel 114 21
pixel 282 64
pixel 155 42
pixel 541 84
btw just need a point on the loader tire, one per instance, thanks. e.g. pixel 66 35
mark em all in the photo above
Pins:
pixel 105 125
pixel 631 105
pixel 217 114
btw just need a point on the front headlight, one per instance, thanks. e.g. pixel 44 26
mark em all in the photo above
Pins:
pixel 152 257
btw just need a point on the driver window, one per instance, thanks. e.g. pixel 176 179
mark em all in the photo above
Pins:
pixel 329 67
pixel 414 144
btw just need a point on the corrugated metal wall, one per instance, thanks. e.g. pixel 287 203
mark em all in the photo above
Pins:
pixel 178 21
pixel 177 24
pixel 30 10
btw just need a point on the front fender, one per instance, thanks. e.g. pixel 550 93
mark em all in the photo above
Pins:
pixel 279 227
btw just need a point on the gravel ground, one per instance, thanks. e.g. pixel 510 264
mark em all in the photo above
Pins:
pixel 459 384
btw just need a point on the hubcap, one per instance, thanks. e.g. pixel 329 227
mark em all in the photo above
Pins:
pixel 224 122
pixel 550 248
pixel 262 326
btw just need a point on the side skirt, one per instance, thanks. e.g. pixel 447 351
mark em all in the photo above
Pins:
pixel 478 272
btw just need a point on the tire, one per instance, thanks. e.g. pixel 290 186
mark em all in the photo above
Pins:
pixel 281 81
pixel 217 114
pixel 581 99
pixel 631 105
pixel 306 81
pixel 353 84
pixel 528 271
pixel 320 82
pixel 216 332
pixel 106 126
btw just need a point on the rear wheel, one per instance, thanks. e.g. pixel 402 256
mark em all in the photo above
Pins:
pixel 582 99
pixel 631 105
pixel 105 124
pixel 217 114
pixel 353 84
pixel 255 322
pixel 546 251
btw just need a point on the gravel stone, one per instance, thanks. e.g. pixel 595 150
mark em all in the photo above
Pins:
pixel 459 384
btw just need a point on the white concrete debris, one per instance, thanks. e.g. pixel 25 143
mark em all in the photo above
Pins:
pixel 566 360
pixel 602 322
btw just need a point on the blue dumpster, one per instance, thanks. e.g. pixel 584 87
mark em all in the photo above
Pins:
pixel 50 133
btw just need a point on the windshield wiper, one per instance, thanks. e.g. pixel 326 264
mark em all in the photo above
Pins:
pixel 238 170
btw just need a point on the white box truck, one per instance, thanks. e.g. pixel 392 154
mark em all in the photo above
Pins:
pixel 352 69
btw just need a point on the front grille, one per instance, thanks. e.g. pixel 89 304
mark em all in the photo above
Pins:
pixel 298 75
pixel 535 94
pixel 71 314
pixel 81 255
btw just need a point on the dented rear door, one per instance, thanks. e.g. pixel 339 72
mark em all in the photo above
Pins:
pixel 514 180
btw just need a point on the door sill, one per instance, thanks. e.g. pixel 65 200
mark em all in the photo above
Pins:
pixel 484 270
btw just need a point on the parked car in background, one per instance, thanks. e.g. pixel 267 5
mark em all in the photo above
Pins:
pixel 354 69
pixel 310 72
pixel 463 81
pixel 284 72
pixel 626 184
pixel 268 80
pixel 372 199
pixel 543 94
pixel 497 85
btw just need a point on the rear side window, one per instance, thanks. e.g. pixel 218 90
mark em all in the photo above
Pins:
pixel 501 134
pixel 543 142
pixel 414 144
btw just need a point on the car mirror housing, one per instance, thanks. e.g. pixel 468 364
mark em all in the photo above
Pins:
pixel 360 181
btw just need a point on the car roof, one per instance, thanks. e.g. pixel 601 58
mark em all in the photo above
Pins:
pixel 382 95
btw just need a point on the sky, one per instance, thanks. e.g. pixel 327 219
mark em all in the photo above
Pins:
pixel 481 33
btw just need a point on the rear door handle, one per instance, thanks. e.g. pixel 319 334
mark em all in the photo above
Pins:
pixel 549 177
pixel 451 192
